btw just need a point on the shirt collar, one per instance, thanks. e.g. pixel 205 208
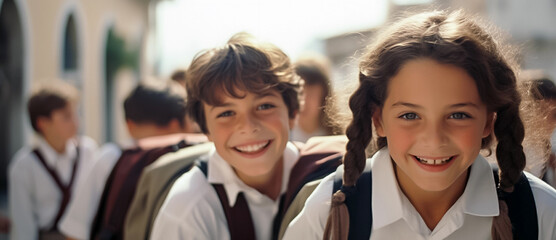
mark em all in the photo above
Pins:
pixel 479 197
pixel 385 192
pixel 51 156
pixel 221 172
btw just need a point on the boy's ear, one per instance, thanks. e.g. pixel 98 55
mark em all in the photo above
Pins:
pixel 42 122
pixel 291 121
pixel 377 121
pixel 489 125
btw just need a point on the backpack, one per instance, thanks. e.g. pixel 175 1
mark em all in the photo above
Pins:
pixel 120 188
pixel 521 205
pixel 153 187
pixel 319 157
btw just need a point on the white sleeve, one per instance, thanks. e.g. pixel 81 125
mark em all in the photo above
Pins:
pixel 82 209
pixel 545 201
pixel 310 222
pixel 189 211
pixel 24 221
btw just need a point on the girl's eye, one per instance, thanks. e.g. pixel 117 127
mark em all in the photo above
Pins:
pixel 459 115
pixel 225 114
pixel 409 116
pixel 265 106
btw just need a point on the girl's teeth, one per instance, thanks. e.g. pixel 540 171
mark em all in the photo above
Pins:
pixel 252 148
pixel 433 161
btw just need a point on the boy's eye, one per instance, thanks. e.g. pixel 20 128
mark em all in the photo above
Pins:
pixel 459 115
pixel 409 116
pixel 225 114
pixel 265 106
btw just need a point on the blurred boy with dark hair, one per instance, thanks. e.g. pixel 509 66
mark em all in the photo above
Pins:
pixel 156 118
pixel 43 177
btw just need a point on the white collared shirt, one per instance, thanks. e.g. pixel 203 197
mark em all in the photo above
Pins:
pixel 81 211
pixel 394 217
pixel 192 209
pixel 34 197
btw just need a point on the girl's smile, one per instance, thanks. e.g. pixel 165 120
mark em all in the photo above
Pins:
pixel 435 164
pixel 434 120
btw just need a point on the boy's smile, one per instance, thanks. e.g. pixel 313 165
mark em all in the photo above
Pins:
pixel 250 133
pixel 253 149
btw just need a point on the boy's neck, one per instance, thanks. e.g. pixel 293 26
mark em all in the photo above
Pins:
pixel 269 184
pixel 59 145
pixel 431 205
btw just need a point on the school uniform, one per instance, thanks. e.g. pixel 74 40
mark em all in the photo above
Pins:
pixel 192 209
pixel 77 220
pixel 34 196
pixel 394 217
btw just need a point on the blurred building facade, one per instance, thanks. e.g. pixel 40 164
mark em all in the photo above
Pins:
pixel 100 46
pixel 529 24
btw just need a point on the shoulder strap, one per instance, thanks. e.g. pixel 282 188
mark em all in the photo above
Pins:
pixel 521 207
pixel 97 222
pixel 161 194
pixel 240 223
pixel 113 218
pixel 64 189
pixel 358 202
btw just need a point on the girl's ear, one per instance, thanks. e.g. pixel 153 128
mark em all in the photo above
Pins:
pixel 377 121
pixel 489 126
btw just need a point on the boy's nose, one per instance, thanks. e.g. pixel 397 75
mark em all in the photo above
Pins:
pixel 249 124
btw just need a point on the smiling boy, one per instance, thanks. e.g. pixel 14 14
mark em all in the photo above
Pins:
pixel 244 98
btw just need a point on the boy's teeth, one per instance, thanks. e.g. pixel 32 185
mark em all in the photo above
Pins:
pixel 433 161
pixel 252 148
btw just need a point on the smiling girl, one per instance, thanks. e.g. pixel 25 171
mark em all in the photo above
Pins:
pixel 437 88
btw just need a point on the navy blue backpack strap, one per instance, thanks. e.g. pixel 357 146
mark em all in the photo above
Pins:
pixel 358 202
pixel 521 207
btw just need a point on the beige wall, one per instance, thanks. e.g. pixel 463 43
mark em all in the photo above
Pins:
pixel 46 22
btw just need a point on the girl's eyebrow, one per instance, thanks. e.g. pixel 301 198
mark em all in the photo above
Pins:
pixel 457 105
pixel 406 104
pixel 465 104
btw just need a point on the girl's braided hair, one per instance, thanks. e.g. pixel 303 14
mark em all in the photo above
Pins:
pixel 449 38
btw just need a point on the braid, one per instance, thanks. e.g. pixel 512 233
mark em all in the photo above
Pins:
pixel 509 131
pixel 509 153
pixel 359 133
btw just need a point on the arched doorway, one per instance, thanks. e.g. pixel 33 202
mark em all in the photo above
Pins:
pixel 71 70
pixel 111 62
pixel 12 104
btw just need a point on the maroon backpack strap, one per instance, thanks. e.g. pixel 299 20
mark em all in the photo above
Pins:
pixel 64 189
pixel 239 218
pixel 121 189
pixel 240 223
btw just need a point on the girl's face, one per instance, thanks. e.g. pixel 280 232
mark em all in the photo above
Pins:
pixel 434 120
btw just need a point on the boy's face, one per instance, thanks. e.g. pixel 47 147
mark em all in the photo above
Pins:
pixel 62 123
pixel 434 120
pixel 249 133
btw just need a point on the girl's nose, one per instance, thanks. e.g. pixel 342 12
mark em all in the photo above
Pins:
pixel 434 135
